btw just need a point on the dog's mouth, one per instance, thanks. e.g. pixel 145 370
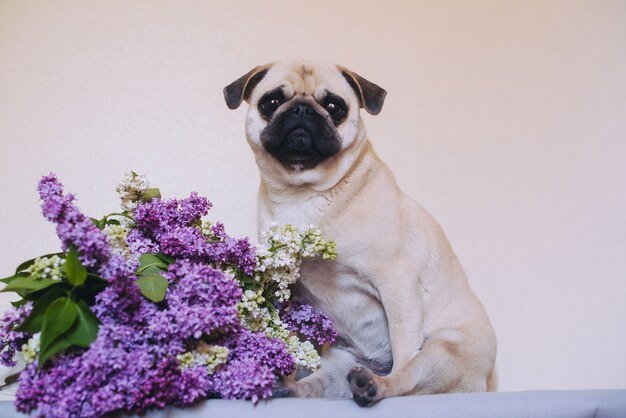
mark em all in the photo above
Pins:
pixel 300 140
pixel 298 148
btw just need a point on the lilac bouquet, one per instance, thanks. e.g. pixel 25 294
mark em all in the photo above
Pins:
pixel 156 306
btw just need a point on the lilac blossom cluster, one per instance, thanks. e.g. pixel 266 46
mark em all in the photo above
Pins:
pixel 12 340
pixel 249 371
pixel 171 226
pixel 72 226
pixel 313 324
pixel 134 363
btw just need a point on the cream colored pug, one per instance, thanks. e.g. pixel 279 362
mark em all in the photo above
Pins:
pixel 408 321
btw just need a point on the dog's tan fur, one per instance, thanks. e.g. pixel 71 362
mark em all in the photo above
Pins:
pixel 396 292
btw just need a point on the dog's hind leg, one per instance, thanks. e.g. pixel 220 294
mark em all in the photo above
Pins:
pixel 451 360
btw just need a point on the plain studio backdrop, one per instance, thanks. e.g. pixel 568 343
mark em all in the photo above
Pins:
pixel 505 119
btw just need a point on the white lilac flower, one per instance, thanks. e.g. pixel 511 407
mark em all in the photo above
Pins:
pixel 30 350
pixel 130 189
pixel 304 353
pixel 210 356
pixel 206 227
pixel 116 237
pixel 254 315
pixel 282 294
pixel 46 268
pixel 230 272
pixel 279 258
pixel 257 317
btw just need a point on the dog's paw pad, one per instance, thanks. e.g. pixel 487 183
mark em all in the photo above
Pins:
pixel 363 385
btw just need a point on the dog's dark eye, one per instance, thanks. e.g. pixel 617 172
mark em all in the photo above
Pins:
pixel 336 107
pixel 269 103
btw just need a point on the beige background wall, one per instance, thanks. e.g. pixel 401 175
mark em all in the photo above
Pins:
pixel 506 119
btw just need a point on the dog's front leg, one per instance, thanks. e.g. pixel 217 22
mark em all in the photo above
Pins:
pixel 404 308
pixel 329 381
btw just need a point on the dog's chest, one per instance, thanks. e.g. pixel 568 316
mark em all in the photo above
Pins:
pixel 336 287
pixel 353 305
pixel 296 209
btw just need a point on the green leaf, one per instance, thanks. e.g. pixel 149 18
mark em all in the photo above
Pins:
pixel 95 221
pixel 244 278
pixel 58 318
pixel 151 193
pixel 27 264
pixel 85 329
pixel 249 286
pixel 95 283
pixel 18 303
pixel 167 259
pixel 151 270
pixel 147 259
pixel 59 344
pixel 75 271
pixel 9 279
pixel 153 287
pixel 150 260
pixel 28 284
pixel 34 321
pixel 269 305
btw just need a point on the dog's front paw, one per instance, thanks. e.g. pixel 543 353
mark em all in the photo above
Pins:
pixel 363 385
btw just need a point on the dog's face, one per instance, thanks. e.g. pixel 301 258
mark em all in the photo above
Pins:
pixel 303 116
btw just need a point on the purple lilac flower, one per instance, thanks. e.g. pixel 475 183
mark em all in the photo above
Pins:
pixel 11 340
pixel 192 208
pixel 200 300
pixel 172 226
pixel 185 241
pixel 233 251
pixel 105 379
pixel 194 384
pixel 312 324
pixel 254 361
pixel 244 379
pixel 132 365
pixel 158 216
pixel 120 301
pixel 139 244
pixel 72 226
pixel 256 346
pixel 219 231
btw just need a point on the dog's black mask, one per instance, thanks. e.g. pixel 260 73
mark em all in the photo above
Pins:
pixel 299 136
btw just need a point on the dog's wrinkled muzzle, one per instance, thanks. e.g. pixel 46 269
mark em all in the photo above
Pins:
pixel 298 139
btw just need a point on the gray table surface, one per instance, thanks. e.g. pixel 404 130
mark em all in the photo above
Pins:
pixel 534 404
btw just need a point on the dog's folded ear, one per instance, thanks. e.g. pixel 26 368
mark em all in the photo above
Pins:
pixel 371 96
pixel 240 89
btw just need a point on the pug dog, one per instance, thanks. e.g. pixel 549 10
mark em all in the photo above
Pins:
pixel 407 319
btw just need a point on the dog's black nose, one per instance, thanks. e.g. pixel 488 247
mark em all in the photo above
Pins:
pixel 301 110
